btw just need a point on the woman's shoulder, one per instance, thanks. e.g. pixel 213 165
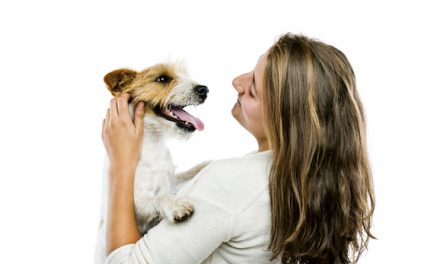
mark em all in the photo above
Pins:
pixel 247 169
pixel 254 159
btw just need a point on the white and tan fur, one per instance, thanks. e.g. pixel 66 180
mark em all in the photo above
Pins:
pixel 155 173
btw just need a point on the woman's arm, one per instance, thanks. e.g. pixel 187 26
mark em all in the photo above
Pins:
pixel 188 242
pixel 122 139
pixel 121 225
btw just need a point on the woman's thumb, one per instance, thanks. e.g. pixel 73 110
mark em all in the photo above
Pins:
pixel 139 117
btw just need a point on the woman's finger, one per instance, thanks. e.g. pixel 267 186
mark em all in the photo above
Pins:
pixel 107 116
pixel 113 108
pixel 123 106
pixel 139 117
pixel 102 129
pixel 105 122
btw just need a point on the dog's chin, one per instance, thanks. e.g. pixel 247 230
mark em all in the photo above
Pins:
pixel 180 133
pixel 174 130
pixel 158 126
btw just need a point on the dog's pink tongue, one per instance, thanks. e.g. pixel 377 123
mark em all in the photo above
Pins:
pixel 197 123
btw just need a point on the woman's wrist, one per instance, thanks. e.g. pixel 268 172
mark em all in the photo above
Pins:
pixel 121 175
pixel 122 168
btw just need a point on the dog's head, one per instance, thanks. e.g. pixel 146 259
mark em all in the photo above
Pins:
pixel 166 89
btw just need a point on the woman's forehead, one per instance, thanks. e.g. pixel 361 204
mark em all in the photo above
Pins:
pixel 261 62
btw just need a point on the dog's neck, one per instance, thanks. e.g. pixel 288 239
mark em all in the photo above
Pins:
pixel 155 153
pixel 154 147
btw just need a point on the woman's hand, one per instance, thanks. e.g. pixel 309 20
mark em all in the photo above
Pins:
pixel 121 135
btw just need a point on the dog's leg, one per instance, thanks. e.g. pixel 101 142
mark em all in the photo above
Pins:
pixel 189 174
pixel 147 215
pixel 175 209
pixel 151 210
pixel 148 184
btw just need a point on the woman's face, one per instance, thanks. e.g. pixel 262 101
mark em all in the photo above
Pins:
pixel 248 110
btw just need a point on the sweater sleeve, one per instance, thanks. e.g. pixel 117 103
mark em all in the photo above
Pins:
pixel 189 242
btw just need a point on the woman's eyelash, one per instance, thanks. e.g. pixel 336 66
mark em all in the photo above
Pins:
pixel 253 84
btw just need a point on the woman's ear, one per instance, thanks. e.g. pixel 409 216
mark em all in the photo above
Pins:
pixel 118 80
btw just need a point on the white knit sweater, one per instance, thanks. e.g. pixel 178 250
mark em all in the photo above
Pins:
pixel 231 222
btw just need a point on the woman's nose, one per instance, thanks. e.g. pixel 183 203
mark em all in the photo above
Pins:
pixel 240 82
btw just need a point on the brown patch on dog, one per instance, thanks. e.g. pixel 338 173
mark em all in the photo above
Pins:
pixel 117 80
pixel 152 85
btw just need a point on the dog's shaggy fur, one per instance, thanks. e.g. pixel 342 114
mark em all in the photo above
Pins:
pixel 166 89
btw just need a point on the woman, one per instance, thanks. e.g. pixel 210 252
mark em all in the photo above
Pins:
pixel 305 197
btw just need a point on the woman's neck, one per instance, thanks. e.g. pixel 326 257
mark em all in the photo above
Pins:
pixel 263 145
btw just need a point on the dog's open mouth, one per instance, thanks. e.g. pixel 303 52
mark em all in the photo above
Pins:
pixel 182 118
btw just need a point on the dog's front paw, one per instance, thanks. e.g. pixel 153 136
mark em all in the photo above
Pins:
pixel 181 209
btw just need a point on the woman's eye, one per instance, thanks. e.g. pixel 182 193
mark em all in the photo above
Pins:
pixel 163 79
pixel 252 92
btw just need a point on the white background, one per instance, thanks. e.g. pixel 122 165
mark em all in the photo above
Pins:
pixel 53 55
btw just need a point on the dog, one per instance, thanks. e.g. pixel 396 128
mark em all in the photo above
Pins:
pixel 166 89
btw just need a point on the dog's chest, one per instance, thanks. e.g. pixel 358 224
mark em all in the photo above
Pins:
pixel 154 170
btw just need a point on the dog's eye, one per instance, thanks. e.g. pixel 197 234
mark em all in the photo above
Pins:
pixel 163 79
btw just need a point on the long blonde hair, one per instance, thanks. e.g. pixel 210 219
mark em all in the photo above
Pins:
pixel 321 189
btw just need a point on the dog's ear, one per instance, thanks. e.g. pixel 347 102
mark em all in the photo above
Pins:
pixel 118 80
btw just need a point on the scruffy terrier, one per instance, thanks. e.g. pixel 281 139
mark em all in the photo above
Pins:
pixel 166 90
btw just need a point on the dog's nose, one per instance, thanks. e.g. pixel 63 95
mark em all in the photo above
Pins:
pixel 201 90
